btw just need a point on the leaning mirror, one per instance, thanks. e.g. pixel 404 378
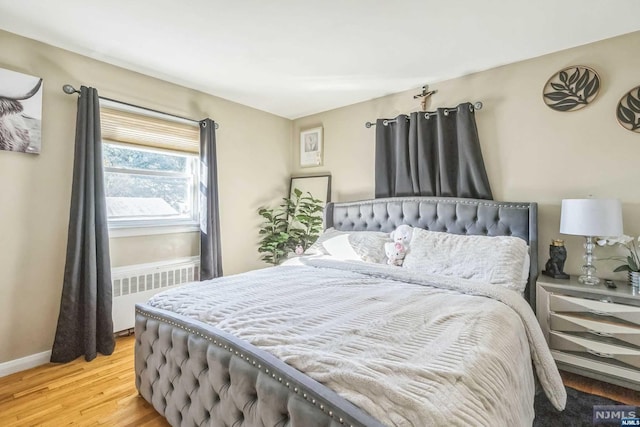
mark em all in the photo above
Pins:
pixel 318 185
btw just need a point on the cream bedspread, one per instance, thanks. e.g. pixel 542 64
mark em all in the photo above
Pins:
pixel 410 349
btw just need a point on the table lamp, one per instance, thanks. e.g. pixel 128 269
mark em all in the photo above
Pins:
pixel 591 218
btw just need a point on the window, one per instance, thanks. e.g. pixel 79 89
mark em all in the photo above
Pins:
pixel 149 186
pixel 151 169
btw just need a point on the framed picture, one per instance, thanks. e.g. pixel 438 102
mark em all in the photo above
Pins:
pixel 20 112
pixel 311 147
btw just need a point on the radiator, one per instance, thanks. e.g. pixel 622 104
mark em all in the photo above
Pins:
pixel 134 284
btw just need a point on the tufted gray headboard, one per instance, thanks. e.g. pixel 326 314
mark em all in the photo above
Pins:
pixel 447 214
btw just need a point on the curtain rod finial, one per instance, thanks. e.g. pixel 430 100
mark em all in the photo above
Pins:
pixel 68 89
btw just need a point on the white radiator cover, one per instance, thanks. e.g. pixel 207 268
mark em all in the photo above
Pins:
pixel 134 284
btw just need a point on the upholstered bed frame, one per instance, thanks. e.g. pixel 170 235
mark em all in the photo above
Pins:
pixel 446 214
pixel 195 374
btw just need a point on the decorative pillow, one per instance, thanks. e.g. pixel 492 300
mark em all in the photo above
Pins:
pixel 318 246
pixel 498 260
pixel 353 245
pixel 369 245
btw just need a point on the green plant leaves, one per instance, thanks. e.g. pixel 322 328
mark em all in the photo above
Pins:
pixel 572 91
pixel 296 221
pixel 621 268
pixel 632 260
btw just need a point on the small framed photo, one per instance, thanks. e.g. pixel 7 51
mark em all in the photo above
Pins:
pixel 311 147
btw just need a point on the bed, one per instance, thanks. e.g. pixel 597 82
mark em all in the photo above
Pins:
pixel 333 342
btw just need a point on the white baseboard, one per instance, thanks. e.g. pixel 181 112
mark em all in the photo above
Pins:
pixel 24 363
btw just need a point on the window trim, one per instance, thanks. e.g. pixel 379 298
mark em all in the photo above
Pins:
pixel 166 174
pixel 150 230
pixel 139 227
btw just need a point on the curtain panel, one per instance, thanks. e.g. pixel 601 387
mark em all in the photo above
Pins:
pixel 84 323
pixel 210 248
pixel 431 154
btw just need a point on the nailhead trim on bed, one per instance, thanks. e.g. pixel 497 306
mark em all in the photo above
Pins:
pixel 446 214
pixel 299 406
pixel 213 378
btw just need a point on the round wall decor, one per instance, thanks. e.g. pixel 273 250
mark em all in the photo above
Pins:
pixel 572 88
pixel 628 110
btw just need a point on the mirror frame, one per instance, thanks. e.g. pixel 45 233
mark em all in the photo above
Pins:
pixel 324 175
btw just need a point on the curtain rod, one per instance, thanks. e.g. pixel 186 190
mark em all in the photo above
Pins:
pixel 69 90
pixel 476 106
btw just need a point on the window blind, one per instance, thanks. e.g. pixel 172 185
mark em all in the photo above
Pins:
pixel 133 128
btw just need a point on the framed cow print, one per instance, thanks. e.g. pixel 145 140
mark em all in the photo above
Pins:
pixel 20 112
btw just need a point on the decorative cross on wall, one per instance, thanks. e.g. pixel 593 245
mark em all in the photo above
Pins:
pixel 426 93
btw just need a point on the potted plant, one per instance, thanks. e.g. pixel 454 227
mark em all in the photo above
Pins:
pixel 631 262
pixel 297 221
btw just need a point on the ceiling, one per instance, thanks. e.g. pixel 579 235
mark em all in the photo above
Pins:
pixel 298 57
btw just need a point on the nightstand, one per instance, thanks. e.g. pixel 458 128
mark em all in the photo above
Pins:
pixel 592 331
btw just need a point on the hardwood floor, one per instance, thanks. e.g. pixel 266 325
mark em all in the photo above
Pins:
pixel 103 392
pixel 610 391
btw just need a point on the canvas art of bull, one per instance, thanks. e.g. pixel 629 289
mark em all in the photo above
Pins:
pixel 16 128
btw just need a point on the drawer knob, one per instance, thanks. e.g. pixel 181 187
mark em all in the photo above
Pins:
pixel 597 353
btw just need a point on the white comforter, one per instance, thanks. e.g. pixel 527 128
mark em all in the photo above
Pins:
pixel 410 349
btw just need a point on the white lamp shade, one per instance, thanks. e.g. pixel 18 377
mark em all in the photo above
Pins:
pixel 591 217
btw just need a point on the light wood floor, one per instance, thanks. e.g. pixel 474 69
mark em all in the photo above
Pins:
pixel 620 394
pixel 103 392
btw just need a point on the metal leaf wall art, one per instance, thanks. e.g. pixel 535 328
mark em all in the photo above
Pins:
pixel 572 88
pixel 628 110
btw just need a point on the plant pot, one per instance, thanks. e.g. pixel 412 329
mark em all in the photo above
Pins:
pixel 634 279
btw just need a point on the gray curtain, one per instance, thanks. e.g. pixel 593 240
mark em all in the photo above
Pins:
pixel 431 154
pixel 85 326
pixel 210 253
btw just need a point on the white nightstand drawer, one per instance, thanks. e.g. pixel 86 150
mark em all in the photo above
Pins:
pixel 564 342
pixel 566 323
pixel 592 330
pixel 566 304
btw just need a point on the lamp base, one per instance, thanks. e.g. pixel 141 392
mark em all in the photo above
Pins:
pixel 588 280
pixel 589 270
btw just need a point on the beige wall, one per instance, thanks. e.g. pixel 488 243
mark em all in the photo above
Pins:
pixel 129 250
pixel 532 153
pixel 253 155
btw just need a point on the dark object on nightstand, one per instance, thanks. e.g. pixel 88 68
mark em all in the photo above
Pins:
pixel 557 257
pixel 610 284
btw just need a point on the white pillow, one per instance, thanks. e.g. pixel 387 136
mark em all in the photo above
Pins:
pixel 526 265
pixel 369 245
pixel 354 245
pixel 499 260
pixel 318 246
